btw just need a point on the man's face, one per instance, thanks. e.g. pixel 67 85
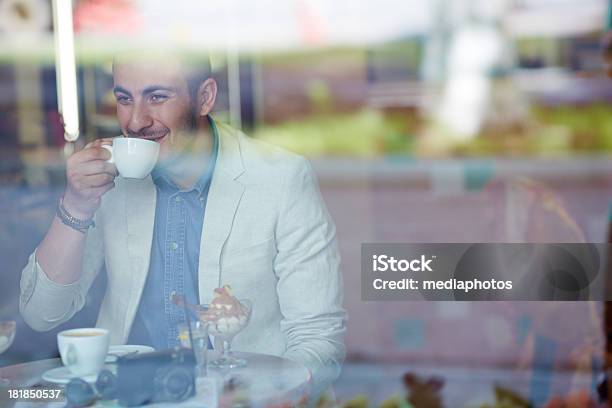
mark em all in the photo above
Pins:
pixel 153 103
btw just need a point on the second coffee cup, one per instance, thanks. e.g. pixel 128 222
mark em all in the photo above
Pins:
pixel 134 157
pixel 83 351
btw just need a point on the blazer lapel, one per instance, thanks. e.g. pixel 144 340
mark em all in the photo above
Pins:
pixel 224 197
pixel 140 210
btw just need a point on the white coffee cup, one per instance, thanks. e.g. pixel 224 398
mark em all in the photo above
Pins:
pixel 83 351
pixel 134 157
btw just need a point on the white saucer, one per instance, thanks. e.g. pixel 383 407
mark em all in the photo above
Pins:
pixel 118 351
pixel 62 375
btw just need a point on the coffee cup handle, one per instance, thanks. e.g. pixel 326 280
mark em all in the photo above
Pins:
pixel 71 356
pixel 110 149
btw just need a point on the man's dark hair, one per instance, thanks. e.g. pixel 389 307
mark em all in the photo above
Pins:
pixel 198 71
pixel 197 67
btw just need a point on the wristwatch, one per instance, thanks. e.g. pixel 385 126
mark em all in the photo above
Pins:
pixel 71 221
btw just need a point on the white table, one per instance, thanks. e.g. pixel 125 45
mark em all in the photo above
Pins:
pixel 272 381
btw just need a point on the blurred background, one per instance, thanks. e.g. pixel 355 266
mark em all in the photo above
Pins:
pixel 426 121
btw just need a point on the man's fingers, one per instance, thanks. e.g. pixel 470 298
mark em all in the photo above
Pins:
pixel 92 153
pixel 111 169
pixel 106 141
pixel 98 180
pixel 99 191
pixel 97 167
pixel 99 142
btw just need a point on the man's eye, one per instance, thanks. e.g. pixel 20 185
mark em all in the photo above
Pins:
pixel 157 98
pixel 122 99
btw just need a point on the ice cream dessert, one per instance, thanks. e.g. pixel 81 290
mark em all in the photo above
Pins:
pixel 226 315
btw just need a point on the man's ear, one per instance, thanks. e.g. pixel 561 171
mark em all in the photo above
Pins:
pixel 207 94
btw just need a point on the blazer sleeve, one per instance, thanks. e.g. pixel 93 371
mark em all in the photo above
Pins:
pixel 45 304
pixel 310 288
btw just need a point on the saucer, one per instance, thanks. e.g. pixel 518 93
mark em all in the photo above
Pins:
pixel 62 375
pixel 119 351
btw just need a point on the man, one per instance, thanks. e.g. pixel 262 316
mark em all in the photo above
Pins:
pixel 219 209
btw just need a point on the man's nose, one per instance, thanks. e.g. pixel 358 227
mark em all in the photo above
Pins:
pixel 140 118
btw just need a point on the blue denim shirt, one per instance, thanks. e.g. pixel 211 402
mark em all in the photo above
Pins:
pixel 175 253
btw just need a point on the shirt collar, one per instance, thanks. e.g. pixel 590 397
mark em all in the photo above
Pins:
pixel 161 179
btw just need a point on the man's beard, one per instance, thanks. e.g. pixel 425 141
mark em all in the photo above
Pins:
pixel 180 157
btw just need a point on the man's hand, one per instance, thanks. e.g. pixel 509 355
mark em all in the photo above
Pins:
pixel 89 177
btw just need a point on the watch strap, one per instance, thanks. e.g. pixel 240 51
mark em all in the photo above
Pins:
pixel 73 222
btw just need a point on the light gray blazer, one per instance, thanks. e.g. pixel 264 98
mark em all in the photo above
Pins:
pixel 266 233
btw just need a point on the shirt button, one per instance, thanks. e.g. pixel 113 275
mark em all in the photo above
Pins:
pixel 178 199
pixel 174 246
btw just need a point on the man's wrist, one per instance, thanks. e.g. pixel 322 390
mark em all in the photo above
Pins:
pixel 76 222
pixel 74 209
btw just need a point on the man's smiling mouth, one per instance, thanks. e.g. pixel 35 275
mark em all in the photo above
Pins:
pixel 156 137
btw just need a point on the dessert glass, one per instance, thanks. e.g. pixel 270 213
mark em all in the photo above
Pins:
pixel 225 328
